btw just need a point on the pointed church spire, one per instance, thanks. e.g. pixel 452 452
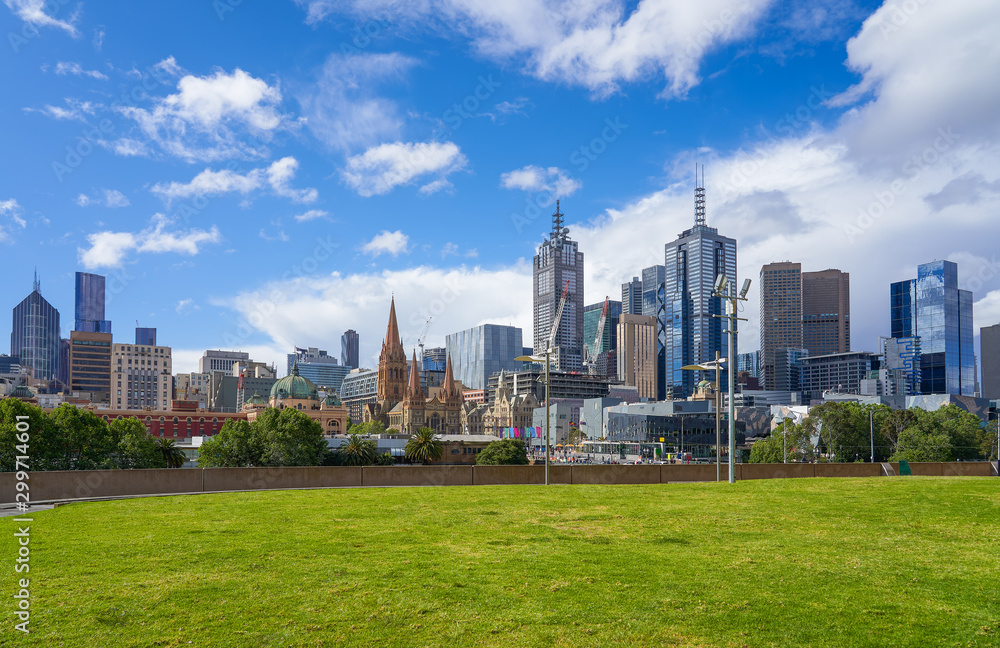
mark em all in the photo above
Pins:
pixel 449 378
pixel 392 330
pixel 414 391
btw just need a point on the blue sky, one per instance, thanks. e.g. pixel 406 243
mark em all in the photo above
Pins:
pixel 263 175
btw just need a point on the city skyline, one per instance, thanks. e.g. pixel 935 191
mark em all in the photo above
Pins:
pixel 798 126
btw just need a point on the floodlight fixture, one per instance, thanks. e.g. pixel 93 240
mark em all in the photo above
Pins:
pixel 745 289
pixel 720 283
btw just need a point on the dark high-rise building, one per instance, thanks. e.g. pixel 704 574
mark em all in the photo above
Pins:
pixel 557 265
pixel 780 316
pixel 145 336
pixel 349 349
pixel 989 341
pixel 34 336
pixel 609 337
pixel 933 309
pixel 692 332
pixel 654 305
pixel 90 304
pixel 90 365
pixel 632 297
pixel 826 312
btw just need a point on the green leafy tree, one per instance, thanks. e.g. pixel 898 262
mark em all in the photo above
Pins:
pixel 506 452
pixel 946 434
pixel 234 446
pixel 768 449
pixel 10 445
pixel 369 428
pixel 893 425
pixel 80 440
pixel 289 437
pixel 424 446
pixel 172 455
pixel 845 430
pixel 385 459
pixel 917 444
pixel 357 452
pixel 575 436
pixel 135 448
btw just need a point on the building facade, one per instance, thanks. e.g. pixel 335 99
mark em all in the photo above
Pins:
pixel 749 362
pixel 826 312
pixel 481 351
pixel 349 347
pixel 90 304
pixel 141 376
pixel 842 373
pixel 145 336
pixel 637 359
pixel 34 336
pixel 90 365
pixel 632 297
pixel 934 309
pixel 193 387
pixel 216 360
pixel 359 390
pixel 609 336
pixel 654 305
pixel 319 367
pixel 693 332
pixel 989 341
pixel 296 392
pixel 780 315
pixel 558 266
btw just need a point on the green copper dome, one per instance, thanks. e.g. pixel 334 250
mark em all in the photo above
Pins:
pixel 21 392
pixel 295 387
pixel 256 399
pixel 331 400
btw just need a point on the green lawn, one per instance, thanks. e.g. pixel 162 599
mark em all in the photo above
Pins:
pixel 813 562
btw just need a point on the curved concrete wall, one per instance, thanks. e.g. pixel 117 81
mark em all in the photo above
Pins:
pixel 80 484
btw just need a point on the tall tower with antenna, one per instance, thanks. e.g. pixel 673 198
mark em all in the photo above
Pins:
pixel 558 261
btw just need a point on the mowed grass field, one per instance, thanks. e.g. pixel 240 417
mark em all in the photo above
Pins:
pixel 812 562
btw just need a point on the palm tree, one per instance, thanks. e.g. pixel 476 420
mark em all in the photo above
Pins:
pixel 358 451
pixel 424 446
pixel 173 455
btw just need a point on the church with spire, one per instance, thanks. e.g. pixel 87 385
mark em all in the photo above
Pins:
pixel 401 403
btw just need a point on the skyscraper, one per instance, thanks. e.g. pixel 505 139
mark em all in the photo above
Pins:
pixel 481 351
pixel 34 335
pixel 934 310
pixel 780 316
pixel 349 349
pixel 609 337
pixel 636 353
pixel 557 264
pixel 145 336
pixel 90 304
pixel 654 305
pixel 632 297
pixel 826 312
pixel 692 334
pixel 989 340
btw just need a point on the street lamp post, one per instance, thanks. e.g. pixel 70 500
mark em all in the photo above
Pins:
pixel 726 290
pixel 708 366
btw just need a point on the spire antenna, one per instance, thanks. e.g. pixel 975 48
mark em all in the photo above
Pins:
pixel 699 196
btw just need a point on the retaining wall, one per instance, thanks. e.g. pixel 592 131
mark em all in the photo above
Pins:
pixel 77 484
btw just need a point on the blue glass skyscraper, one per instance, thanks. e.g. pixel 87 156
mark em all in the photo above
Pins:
pixel 35 335
pixel 692 333
pixel 934 310
pixel 479 352
pixel 654 304
pixel 90 304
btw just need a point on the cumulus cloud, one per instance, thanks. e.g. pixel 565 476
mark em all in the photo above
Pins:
pixel 212 117
pixel 598 44
pixel 386 242
pixel 381 169
pixel 63 68
pixel 551 180
pixel 33 12
pixel 311 214
pixel 109 249
pixel 343 109
pixel 12 210
pixel 277 177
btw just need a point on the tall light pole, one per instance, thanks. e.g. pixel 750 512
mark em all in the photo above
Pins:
pixel 709 366
pixel 726 290
pixel 548 443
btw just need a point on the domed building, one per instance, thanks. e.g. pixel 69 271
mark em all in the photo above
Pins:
pixel 300 393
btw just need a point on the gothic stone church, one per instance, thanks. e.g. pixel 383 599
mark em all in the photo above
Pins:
pixel 400 402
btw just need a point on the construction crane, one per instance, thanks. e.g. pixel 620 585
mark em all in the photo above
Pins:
pixel 423 336
pixel 559 312
pixel 600 331
pixel 241 391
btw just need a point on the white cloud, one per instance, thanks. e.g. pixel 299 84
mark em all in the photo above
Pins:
pixel 212 117
pixel 283 313
pixel 109 249
pixel 597 44
pixel 386 242
pixel 63 68
pixel 312 214
pixel 277 176
pixel 108 197
pixel 75 110
pixel 342 108
pixel 381 169
pixel 126 147
pixel 13 210
pixel 185 306
pixel 98 41
pixel 33 13
pixel 441 184
pixel 169 66
pixel 552 180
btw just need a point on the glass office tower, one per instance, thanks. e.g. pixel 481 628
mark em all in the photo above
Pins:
pixel 349 349
pixel 479 352
pixel 35 335
pixel 559 261
pixel 632 297
pixel 933 309
pixel 693 335
pixel 90 304
pixel 654 305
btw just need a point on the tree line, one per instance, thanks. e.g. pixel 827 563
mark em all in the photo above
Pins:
pixel 69 438
pixel 847 431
